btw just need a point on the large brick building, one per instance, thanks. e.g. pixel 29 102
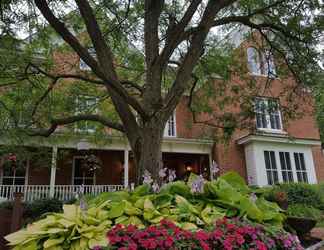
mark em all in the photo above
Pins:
pixel 270 151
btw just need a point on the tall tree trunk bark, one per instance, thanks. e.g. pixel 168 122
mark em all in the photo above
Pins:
pixel 148 150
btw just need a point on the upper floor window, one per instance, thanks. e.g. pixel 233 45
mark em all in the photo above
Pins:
pixel 170 129
pixel 261 63
pixel 86 104
pixel 268 116
pixel 83 65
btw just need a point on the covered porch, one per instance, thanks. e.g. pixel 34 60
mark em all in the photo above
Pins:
pixel 63 178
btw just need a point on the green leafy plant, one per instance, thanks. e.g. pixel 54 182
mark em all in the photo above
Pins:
pixel 194 205
pixel 73 229
pixel 299 193
pixel 304 211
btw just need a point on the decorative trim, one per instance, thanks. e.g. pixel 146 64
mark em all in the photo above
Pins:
pixel 278 139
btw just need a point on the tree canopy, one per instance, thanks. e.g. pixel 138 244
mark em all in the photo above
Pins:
pixel 148 55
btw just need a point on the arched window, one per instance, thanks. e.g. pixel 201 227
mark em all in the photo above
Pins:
pixel 269 68
pixel 254 61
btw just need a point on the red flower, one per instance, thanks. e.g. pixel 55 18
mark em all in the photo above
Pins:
pixel 260 245
pixel 201 235
pixel 148 243
pixel 168 242
pixel 204 245
pixel 217 234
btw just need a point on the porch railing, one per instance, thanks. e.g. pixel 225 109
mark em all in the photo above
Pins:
pixel 61 192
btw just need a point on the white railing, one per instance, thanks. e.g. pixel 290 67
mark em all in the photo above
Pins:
pixel 61 192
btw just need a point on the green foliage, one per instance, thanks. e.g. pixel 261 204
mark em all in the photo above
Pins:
pixel 72 229
pixel 304 211
pixel 37 208
pixel 299 193
pixel 227 196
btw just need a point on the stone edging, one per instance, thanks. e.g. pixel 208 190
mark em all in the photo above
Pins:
pixel 316 246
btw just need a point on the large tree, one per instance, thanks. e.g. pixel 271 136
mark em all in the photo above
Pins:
pixel 149 53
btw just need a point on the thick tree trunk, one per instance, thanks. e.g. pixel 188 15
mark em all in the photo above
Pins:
pixel 148 150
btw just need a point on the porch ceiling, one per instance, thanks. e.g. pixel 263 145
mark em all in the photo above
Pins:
pixel 170 144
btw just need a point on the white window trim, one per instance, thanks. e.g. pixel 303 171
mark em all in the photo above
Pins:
pixel 255 161
pixel 165 132
pixel 73 171
pixel 260 62
pixel 268 129
pixel 82 65
pixel 88 130
pixel 14 177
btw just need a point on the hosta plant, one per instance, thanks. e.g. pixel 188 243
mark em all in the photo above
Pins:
pixel 194 205
pixel 73 229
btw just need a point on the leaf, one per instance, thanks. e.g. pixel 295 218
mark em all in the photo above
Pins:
pixel 141 190
pixel 53 242
pixel 249 207
pixel 116 210
pixel 236 181
pixel 70 212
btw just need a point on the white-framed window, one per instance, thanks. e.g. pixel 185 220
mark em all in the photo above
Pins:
pixel 170 129
pixel 271 167
pixel 267 114
pixel 82 64
pixel 300 167
pixel 86 104
pixel 261 63
pixel 291 171
pixel 286 168
pixel 10 175
pixel 81 175
pixel 254 63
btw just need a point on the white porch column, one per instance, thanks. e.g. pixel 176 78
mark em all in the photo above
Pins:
pixel 126 167
pixel 211 166
pixel 53 172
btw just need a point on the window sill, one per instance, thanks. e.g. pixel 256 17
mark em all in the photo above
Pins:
pixel 264 76
pixel 272 131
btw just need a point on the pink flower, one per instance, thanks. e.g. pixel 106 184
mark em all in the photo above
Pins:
pixel 168 242
pixel 204 245
pixel 260 245
pixel 148 243
pixel 201 235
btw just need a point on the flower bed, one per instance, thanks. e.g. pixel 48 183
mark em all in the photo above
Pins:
pixel 194 205
pixel 227 234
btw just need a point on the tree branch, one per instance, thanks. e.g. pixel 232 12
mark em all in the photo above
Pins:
pixel 72 119
pixel 111 84
pixel 194 52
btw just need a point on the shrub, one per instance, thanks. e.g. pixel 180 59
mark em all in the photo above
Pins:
pixel 227 234
pixel 37 208
pixel 304 211
pixel 299 193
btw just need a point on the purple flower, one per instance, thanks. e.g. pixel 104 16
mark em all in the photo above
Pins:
pixel 155 187
pixel 83 204
pixel 172 175
pixel 253 197
pixel 214 168
pixel 147 178
pixel 197 185
pixel 163 172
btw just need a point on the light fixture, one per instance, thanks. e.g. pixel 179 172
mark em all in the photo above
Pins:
pixel 189 168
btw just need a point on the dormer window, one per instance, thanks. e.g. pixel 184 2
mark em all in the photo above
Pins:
pixel 261 63
pixel 268 116
pixel 170 129
pixel 83 65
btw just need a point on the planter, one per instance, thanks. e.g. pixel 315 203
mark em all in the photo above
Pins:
pixel 302 226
